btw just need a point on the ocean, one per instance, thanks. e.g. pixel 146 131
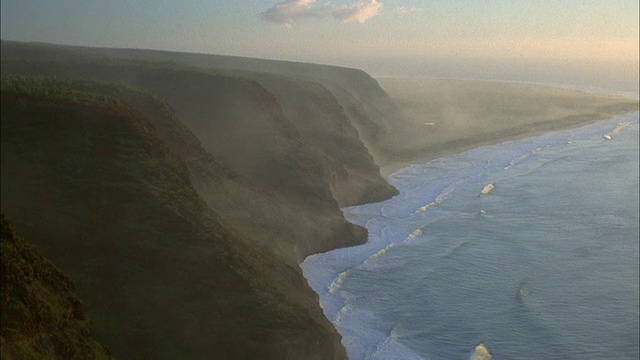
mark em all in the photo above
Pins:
pixel 544 266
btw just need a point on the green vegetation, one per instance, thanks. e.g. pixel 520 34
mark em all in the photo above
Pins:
pixel 89 92
pixel 42 316
pixel 161 277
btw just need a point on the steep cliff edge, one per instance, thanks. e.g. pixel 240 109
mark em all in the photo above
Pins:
pixel 85 176
pixel 344 106
pixel 237 174
pixel 366 104
pixel 293 228
pixel 325 125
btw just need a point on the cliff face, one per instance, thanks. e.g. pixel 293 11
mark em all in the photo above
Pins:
pixel 325 125
pixel 181 199
pixel 364 104
pixel 88 179
pixel 288 137
pixel 294 222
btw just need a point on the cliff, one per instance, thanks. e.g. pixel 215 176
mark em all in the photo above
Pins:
pixel 222 91
pixel 263 168
pixel 180 191
pixel 88 178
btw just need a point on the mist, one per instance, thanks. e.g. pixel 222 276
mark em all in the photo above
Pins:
pixel 613 75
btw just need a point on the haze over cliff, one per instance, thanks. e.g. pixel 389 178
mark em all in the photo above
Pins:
pixel 180 191
pixel 191 193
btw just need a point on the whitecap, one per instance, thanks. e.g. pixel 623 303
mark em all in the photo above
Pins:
pixel 414 235
pixel 378 254
pixel 444 194
pixel 337 283
pixel 487 189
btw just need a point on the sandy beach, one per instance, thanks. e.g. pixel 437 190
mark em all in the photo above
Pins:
pixel 448 116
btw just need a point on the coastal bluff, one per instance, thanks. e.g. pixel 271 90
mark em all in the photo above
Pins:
pixel 180 191
pixel 181 199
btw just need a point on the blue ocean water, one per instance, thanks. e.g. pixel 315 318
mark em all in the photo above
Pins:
pixel 545 266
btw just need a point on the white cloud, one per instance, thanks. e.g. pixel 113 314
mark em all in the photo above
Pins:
pixel 359 12
pixel 289 11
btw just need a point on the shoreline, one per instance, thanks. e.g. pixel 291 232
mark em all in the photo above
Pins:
pixel 445 139
pixel 338 274
pixel 392 166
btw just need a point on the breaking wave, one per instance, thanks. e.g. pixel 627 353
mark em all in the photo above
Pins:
pixel 414 253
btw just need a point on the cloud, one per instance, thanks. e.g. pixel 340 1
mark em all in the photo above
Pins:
pixel 289 11
pixel 359 12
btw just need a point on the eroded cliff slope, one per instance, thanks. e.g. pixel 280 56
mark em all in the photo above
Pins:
pixel 86 176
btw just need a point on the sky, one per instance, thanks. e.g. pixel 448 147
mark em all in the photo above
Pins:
pixel 385 37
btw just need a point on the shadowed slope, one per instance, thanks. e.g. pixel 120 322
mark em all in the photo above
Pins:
pixel 243 126
pixel 324 125
pixel 161 277
pixel 42 316
pixel 273 221
pixel 365 104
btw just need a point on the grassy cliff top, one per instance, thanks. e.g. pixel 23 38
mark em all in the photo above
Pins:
pixel 90 92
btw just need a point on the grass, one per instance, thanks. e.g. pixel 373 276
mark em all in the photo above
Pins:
pixel 42 316
pixel 89 92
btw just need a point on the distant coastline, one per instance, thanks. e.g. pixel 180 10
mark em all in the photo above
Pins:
pixel 393 167
pixel 396 88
